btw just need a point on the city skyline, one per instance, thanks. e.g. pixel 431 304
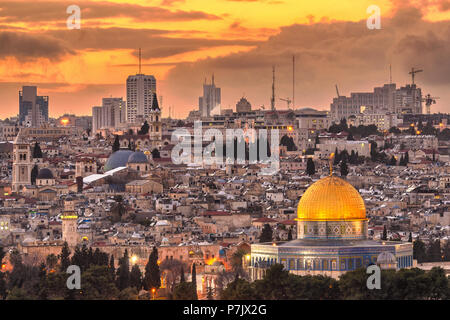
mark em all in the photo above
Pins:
pixel 185 41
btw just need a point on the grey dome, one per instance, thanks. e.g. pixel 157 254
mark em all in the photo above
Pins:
pixel 386 257
pixel 138 157
pixel 118 159
pixel 45 174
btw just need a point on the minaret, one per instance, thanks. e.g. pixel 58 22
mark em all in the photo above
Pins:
pixel 70 227
pixel 22 164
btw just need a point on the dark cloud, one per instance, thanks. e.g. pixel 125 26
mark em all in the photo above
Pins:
pixel 47 11
pixel 63 97
pixel 28 46
pixel 343 53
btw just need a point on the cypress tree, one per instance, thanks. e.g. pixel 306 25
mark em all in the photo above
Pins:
pixel 310 167
pixel 290 235
pixel 123 272
pixel 194 276
pixel 266 234
pixel 136 277
pixel 182 275
pixel 344 168
pixel 34 174
pixel 111 267
pixel 116 145
pixel 64 257
pixel 410 237
pixel 152 278
pixel 384 236
pixel 37 152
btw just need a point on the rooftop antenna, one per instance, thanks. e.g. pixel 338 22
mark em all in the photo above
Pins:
pixel 390 74
pixel 139 60
pixel 293 81
pixel 272 101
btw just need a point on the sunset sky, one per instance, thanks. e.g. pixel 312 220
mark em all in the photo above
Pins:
pixel 185 41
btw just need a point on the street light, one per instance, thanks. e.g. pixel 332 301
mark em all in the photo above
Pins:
pixel 153 293
pixel 134 259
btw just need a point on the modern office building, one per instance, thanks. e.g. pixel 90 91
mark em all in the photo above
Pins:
pixel 33 109
pixel 210 103
pixel 97 119
pixel 140 93
pixel 387 99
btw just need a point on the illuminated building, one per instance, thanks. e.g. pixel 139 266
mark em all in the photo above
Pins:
pixel 331 236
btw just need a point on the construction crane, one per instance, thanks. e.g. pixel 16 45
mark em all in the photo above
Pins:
pixel 413 73
pixel 429 100
pixel 337 91
pixel 288 101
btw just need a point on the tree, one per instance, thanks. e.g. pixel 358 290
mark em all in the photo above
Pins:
pixel 116 144
pixel 51 261
pixel 289 238
pixel 394 130
pixel 384 236
pixel 410 237
pixel 239 289
pixel 434 253
pixel 350 137
pixel 37 152
pixel 123 272
pixel 393 161
pixel 111 267
pixel 194 279
pixel 156 154
pixel 406 158
pixel 419 251
pixel 144 129
pixel 152 278
pixel 172 269
pixel 185 291
pixel 97 284
pixel 34 174
pixel 136 277
pixel 344 168
pixel 310 167
pixel 2 276
pixel 64 257
pixel 266 234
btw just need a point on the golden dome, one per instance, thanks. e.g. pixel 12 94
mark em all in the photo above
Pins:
pixel 331 199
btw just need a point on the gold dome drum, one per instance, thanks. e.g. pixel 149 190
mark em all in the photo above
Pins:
pixel 331 208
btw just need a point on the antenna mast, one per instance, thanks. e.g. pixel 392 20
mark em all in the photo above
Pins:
pixel 293 81
pixel 272 101
pixel 390 74
pixel 139 60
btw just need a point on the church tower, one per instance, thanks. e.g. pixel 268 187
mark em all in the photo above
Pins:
pixel 22 164
pixel 154 117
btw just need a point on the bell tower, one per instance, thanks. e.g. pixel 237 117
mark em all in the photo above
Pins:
pixel 22 164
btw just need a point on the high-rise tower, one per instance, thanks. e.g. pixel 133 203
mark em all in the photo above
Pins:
pixel 140 93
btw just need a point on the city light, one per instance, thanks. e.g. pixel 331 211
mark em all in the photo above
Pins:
pixel 134 259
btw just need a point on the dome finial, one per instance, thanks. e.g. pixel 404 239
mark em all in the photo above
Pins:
pixel 331 163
